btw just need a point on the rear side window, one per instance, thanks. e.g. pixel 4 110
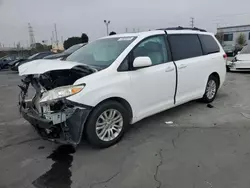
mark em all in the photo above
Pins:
pixel 209 45
pixel 185 46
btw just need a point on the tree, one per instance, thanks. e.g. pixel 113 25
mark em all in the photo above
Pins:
pixel 219 37
pixel 71 41
pixel 241 40
pixel 85 38
pixel 38 47
pixel 112 33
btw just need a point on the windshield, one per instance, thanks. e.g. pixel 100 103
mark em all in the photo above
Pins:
pixel 73 48
pixel 102 52
pixel 245 50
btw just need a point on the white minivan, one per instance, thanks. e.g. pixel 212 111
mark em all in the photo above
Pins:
pixel 118 80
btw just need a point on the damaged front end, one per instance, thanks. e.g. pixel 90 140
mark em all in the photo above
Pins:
pixel 53 116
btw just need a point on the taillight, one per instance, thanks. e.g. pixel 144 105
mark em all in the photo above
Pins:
pixel 225 56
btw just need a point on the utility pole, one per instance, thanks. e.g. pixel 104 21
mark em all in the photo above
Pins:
pixel 107 22
pixel 192 22
pixel 31 35
pixel 56 37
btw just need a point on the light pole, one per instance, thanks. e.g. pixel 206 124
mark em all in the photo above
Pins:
pixel 107 22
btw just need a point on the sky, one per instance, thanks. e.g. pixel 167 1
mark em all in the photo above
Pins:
pixel 74 17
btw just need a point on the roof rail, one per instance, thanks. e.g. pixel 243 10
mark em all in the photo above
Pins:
pixel 183 28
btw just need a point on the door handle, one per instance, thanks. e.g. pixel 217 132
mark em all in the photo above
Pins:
pixel 182 66
pixel 169 69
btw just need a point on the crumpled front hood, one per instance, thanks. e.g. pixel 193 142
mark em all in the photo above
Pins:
pixel 41 66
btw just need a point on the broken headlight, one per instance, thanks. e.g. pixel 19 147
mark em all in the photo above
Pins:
pixel 60 92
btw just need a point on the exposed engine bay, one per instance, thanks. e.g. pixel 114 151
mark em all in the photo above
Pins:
pixel 53 116
pixel 57 78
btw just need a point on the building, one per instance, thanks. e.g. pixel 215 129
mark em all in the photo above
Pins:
pixel 230 34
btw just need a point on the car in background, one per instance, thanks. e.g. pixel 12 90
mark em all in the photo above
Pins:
pixel 241 61
pixel 232 50
pixel 14 65
pixel 229 50
pixel 6 59
pixel 66 53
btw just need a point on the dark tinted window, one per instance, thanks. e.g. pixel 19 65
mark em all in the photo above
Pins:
pixel 228 37
pixel 249 36
pixel 185 46
pixel 209 45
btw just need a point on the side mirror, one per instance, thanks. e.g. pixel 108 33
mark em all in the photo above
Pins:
pixel 140 62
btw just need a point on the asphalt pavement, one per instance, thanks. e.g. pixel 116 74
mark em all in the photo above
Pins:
pixel 204 147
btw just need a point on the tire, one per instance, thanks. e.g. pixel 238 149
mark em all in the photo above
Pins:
pixel 227 68
pixel 91 131
pixel 209 95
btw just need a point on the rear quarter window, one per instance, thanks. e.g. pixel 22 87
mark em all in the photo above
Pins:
pixel 185 46
pixel 209 45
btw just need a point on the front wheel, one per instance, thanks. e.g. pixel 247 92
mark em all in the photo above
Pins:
pixel 106 124
pixel 211 89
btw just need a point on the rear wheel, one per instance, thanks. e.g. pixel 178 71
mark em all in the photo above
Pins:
pixel 106 124
pixel 211 89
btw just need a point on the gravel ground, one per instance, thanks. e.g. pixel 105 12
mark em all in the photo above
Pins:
pixel 204 147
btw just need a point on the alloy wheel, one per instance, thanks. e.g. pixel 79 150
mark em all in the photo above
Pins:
pixel 211 89
pixel 109 125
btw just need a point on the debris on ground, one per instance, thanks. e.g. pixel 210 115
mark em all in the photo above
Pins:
pixel 210 106
pixel 169 122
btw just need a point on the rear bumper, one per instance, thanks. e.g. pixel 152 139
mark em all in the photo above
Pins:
pixel 67 132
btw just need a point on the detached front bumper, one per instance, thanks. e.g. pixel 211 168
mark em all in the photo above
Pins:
pixel 64 126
